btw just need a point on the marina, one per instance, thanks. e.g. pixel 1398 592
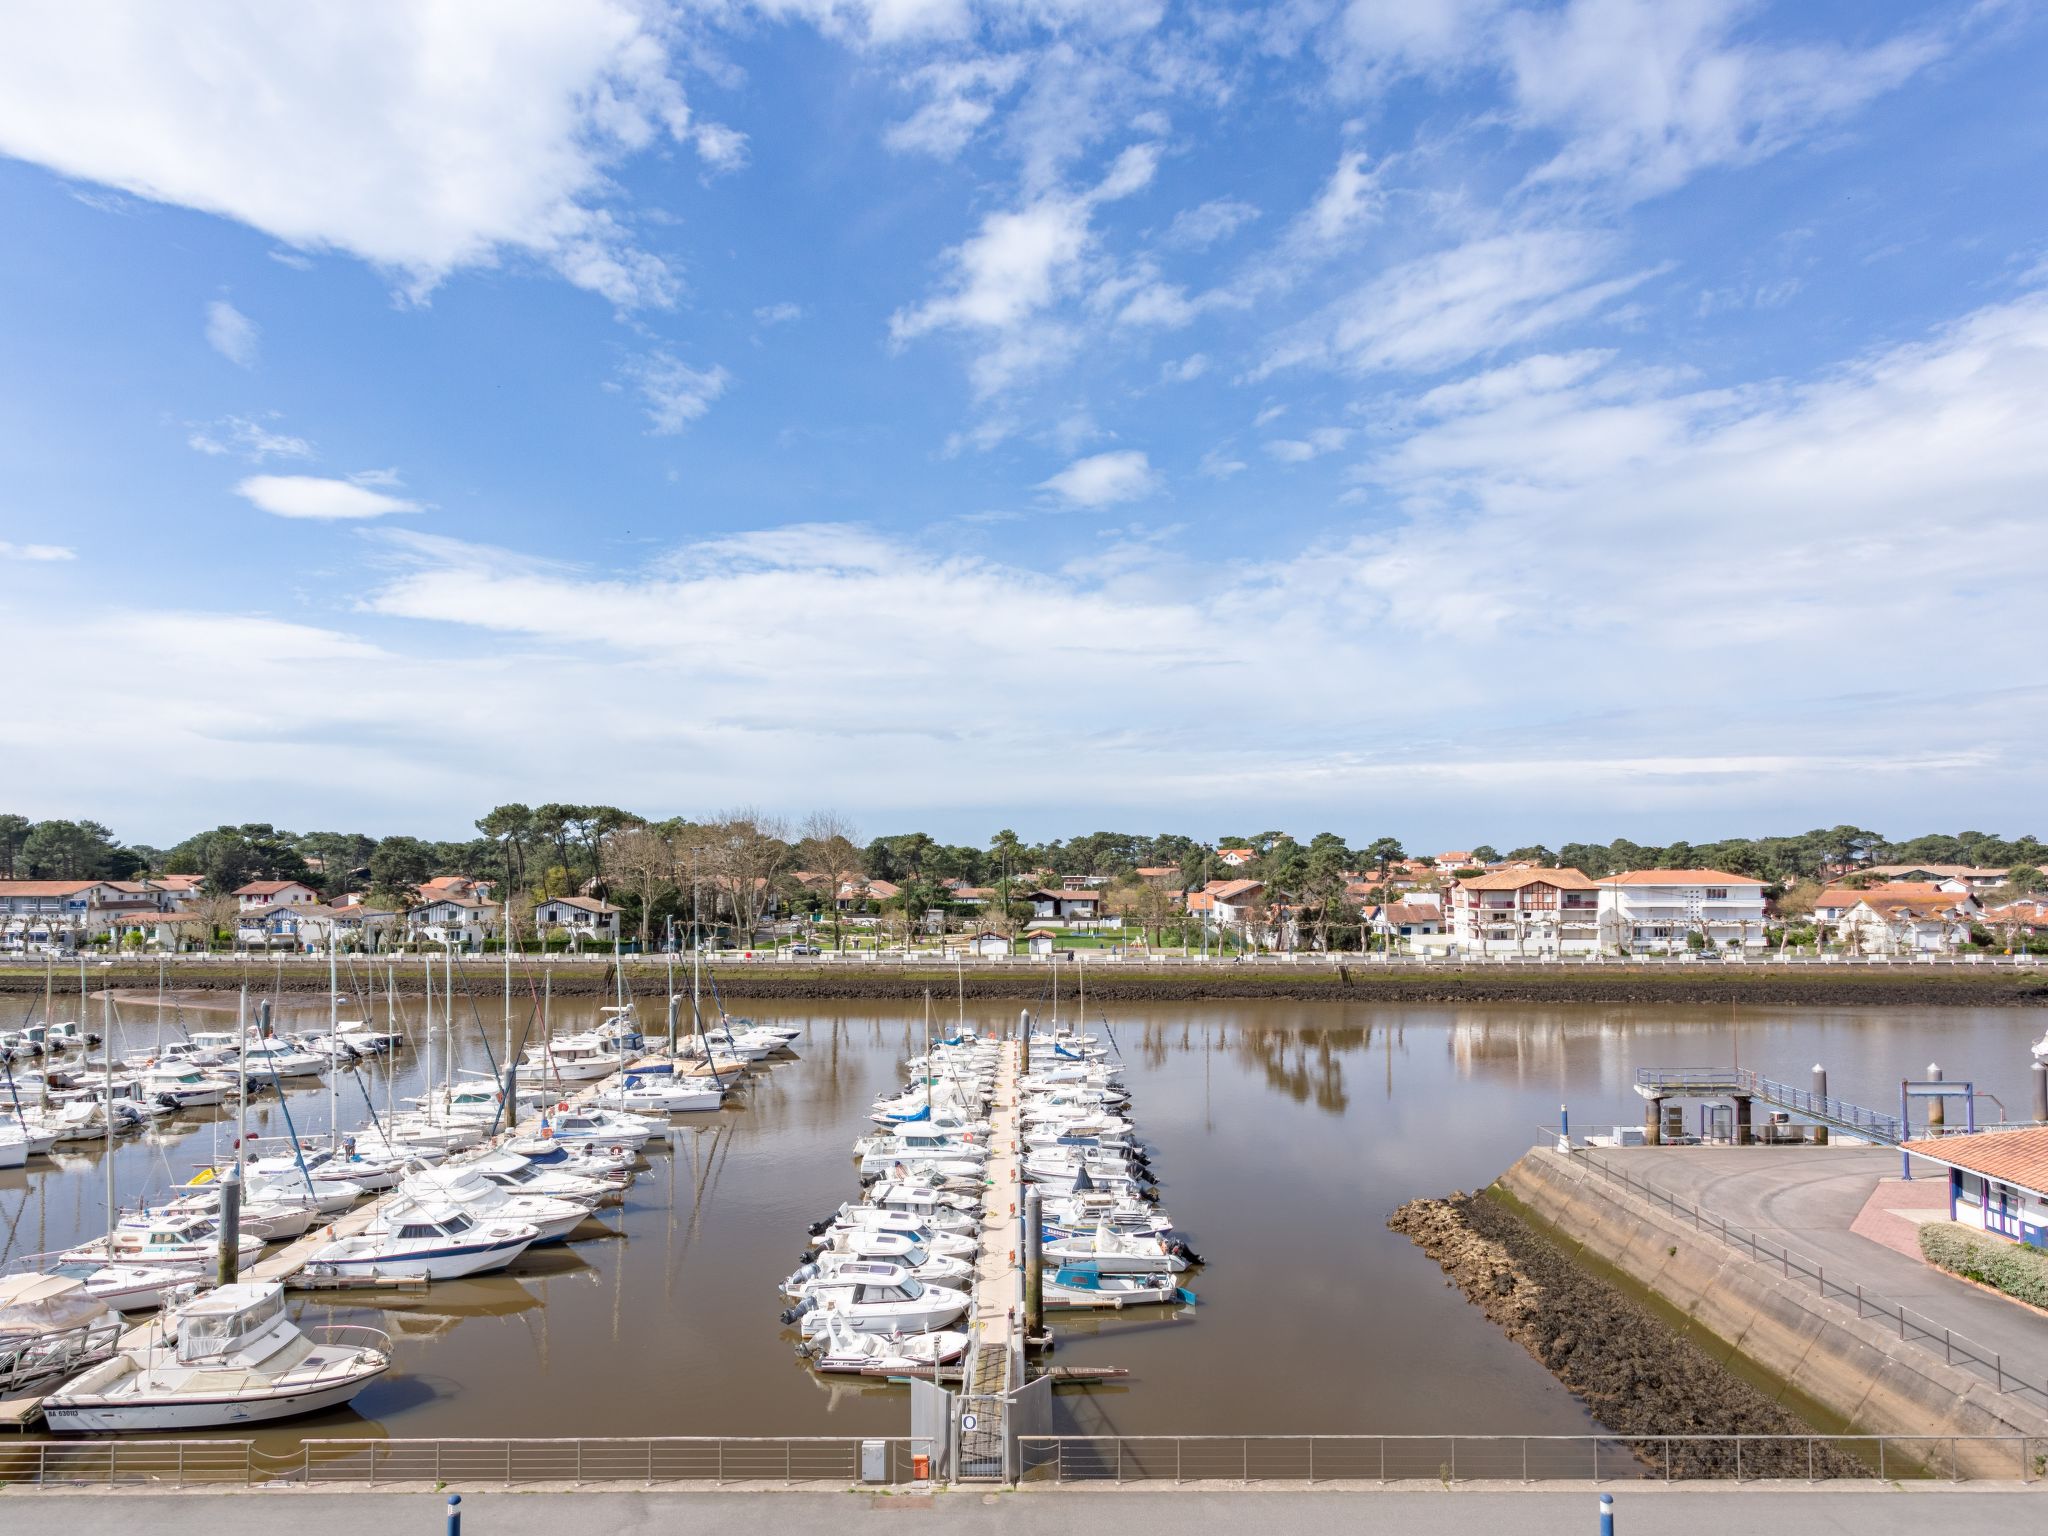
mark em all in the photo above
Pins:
pixel 1282 1135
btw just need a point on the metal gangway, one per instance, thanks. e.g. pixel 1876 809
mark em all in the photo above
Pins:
pixel 1740 1083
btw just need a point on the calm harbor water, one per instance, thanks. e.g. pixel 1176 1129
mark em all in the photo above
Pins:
pixel 1283 1135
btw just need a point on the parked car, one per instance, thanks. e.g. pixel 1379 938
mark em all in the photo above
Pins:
pixel 803 949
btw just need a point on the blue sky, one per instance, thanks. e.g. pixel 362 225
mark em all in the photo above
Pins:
pixel 1479 421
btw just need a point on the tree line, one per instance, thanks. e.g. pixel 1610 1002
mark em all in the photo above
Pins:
pixel 731 866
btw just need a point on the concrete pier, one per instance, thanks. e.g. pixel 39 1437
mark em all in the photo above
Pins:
pixel 998 1320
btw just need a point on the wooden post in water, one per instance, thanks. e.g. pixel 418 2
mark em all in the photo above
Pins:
pixel 1034 1265
pixel 1820 1096
pixel 1024 1044
pixel 2041 1090
pixel 1937 1115
pixel 229 1265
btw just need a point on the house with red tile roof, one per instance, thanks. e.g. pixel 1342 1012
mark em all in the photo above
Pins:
pixel 271 893
pixel 1656 911
pixel 1236 858
pixel 1526 912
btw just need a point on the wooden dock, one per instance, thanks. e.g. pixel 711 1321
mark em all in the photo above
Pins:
pixel 996 1365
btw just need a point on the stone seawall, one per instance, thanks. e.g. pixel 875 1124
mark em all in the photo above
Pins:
pixel 1852 1367
pixel 1108 981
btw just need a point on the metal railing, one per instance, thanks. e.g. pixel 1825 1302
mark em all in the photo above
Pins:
pixel 1525 1458
pixel 786 1461
pixel 1875 1124
pixel 1956 1349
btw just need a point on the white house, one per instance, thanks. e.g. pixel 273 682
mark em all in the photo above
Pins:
pixel 1654 911
pixel 1881 925
pixel 581 917
pixel 452 920
pixel 1064 905
pixel 1236 858
pixel 1041 941
pixel 1526 912
pixel 272 893
pixel 1416 926
pixel 54 914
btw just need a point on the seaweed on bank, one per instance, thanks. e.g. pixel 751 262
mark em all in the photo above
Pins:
pixel 1636 1374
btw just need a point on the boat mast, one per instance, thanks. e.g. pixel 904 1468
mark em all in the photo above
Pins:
pixel 107 1109
pixel 242 1077
pixel 427 961
pixel 507 947
pixel 333 1040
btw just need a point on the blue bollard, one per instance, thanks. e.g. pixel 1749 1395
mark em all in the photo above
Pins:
pixel 454 1514
pixel 1606 1514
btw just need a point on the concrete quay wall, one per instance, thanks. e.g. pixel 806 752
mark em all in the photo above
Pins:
pixel 1854 1367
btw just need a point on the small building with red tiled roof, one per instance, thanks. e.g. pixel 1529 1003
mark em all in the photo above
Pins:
pixel 1997 1180
pixel 1236 858
pixel 275 893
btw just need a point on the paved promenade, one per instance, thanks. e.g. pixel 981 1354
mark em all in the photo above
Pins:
pixel 1976 1511
pixel 1808 1199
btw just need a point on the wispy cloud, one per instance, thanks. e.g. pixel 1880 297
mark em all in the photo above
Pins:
pixel 674 393
pixel 248 438
pixel 1123 475
pixel 231 333
pixel 317 498
pixel 783 313
pixel 36 552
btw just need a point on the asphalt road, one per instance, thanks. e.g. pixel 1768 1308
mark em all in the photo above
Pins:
pixel 1805 1198
pixel 1811 1512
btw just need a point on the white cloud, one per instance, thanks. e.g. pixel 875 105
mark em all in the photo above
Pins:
pixel 779 314
pixel 39 553
pixel 249 438
pixel 674 393
pixel 962 97
pixel 1349 201
pixel 1299 450
pixel 1101 479
pixel 1186 370
pixel 1198 228
pixel 1459 303
pixel 1648 92
pixel 423 137
pixel 231 333
pixel 319 498
pixel 1219 465
pixel 1020 263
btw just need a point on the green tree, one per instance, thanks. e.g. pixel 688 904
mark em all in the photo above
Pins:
pixel 13 831
pixel 511 828
pixel 400 866
pixel 1485 853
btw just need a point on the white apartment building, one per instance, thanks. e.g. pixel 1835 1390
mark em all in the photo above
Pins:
pixel 1527 912
pixel 1653 911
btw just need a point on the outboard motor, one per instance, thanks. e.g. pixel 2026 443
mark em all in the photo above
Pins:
pixel 1180 1250
pixel 804 1272
pixel 797 1312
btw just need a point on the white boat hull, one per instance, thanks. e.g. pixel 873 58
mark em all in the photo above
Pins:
pixel 201 1412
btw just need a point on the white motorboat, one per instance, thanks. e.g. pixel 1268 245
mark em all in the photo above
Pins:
pixel 38 1137
pixel 14 1145
pixel 877 1297
pixel 842 1349
pixel 480 1101
pixel 602 1127
pixel 570 1059
pixel 839 1234
pixel 231 1356
pixel 552 1217
pixel 2041 1047
pixel 185 1086
pixel 1092 1208
pixel 890 1248
pixel 50 1326
pixel 1118 1253
pixel 366 1037
pixel 135 1287
pixel 949 1212
pixel 588 1159
pixel 1074 1287
pixel 427 1242
pixel 160 1238
pixel 524 1176
pixel 275 1058
pixel 350 1168
pixel 662 1094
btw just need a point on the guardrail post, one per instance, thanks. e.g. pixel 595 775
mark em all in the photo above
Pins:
pixel 1596 1458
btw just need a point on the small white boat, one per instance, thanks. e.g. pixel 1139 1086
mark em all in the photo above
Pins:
pixel 841 1349
pixel 522 1175
pixel 570 1059
pixel 839 1235
pixel 552 1217
pixel 440 1242
pixel 1118 1253
pixel 603 1127
pixel 136 1287
pixel 934 1268
pixel 1074 1287
pixel 877 1298
pixel 50 1326
pixel 662 1094
pixel 14 1144
pixel 185 1086
pixel 611 1163
pixel 2041 1047
pixel 160 1238
pixel 274 1057
pixel 230 1356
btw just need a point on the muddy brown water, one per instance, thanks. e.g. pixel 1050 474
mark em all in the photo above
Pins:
pixel 1284 1134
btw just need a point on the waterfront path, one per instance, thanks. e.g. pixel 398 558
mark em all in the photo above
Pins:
pixel 1807 1199
pixel 1828 1511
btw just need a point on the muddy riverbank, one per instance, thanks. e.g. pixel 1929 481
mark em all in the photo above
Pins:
pixel 1636 1374
pixel 1110 981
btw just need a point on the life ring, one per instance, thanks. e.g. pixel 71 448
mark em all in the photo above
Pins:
pixel 618 1151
